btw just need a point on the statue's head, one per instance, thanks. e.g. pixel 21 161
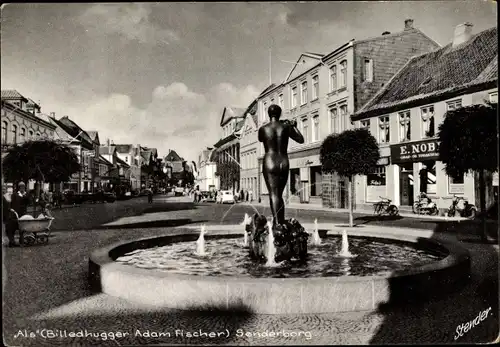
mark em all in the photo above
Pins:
pixel 274 111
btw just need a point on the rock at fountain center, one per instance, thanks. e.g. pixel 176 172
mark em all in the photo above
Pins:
pixel 289 239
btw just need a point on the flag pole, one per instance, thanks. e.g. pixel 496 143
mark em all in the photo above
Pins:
pixel 270 67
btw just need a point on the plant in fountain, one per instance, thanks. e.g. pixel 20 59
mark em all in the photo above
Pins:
pixel 350 153
pixel 289 236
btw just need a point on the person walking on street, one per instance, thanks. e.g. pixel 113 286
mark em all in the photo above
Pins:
pixel 17 202
pixel 150 196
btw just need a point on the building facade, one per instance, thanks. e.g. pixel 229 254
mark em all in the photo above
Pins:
pixel 250 149
pixel 207 179
pixel 322 91
pixel 131 155
pixel 174 165
pixel 228 148
pixel 405 115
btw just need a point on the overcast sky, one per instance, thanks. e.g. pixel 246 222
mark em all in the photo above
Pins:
pixel 160 74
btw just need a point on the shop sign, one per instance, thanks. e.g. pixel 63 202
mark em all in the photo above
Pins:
pixel 415 151
pixel 305 162
pixel 383 161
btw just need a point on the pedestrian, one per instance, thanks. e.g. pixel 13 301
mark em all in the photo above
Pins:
pixel 250 195
pixel 9 220
pixel 150 196
pixel 20 200
pixel 246 195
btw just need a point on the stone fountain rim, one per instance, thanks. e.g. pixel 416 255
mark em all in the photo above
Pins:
pixel 457 254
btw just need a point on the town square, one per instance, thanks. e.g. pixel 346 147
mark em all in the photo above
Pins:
pixel 316 173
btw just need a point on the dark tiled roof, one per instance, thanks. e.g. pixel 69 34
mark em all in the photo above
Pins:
pixel 74 130
pixel 123 148
pixel 12 94
pixel 442 71
pixel 121 162
pixel 104 149
pixel 146 155
pixel 31 103
pixel 173 156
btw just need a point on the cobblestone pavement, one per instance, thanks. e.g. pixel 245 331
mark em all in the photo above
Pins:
pixel 45 287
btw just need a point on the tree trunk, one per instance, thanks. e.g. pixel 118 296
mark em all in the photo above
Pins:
pixel 482 204
pixel 350 202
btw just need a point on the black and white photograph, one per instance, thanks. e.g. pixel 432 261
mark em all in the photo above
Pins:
pixel 250 173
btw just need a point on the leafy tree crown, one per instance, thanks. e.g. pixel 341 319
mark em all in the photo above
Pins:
pixel 352 152
pixel 469 139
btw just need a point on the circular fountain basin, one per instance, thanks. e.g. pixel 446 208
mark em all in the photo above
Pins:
pixel 343 284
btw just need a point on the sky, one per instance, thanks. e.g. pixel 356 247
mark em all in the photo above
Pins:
pixel 160 74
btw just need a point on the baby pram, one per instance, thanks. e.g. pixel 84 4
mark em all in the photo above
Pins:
pixel 33 230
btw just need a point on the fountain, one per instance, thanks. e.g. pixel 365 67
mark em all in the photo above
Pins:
pixel 316 240
pixel 200 243
pixel 276 273
pixel 344 252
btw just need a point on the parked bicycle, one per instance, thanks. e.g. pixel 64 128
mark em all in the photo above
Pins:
pixel 385 206
pixel 461 206
pixel 425 205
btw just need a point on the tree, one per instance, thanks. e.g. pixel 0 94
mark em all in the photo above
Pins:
pixel 41 160
pixel 469 142
pixel 350 153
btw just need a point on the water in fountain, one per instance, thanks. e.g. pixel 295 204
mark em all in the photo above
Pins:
pixel 200 243
pixel 344 252
pixel 271 248
pixel 316 240
pixel 246 221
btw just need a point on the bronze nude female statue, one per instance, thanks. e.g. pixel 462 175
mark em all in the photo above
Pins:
pixel 290 237
pixel 274 135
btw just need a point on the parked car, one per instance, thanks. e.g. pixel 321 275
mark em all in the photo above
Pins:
pixel 225 196
pixel 179 191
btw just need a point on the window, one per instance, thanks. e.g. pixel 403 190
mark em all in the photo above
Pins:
pixel 303 93
pixel 368 70
pixel 30 134
pixel 343 74
pixel 344 118
pixel 38 135
pixel 334 122
pixel 305 130
pixel 264 110
pixel 428 177
pixel 456 184
pixel 384 131
pixel 404 126
pixel 494 97
pixel 365 124
pixel 272 101
pixel 428 127
pixel 453 105
pixel 333 78
pixel 315 91
pixel 14 133
pixel 280 100
pixel 4 131
pixel 126 159
pixel 376 184
pixel 315 132
pixel 22 137
pixel 294 97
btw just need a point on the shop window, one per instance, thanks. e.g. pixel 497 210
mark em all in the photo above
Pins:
pixel 334 121
pixel 428 177
pixel 456 184
pixel 376 184
pixel 294 181
pixel 453 105
pixel 404 126
pixel 428 126
pixel 384 129
pixel 316 179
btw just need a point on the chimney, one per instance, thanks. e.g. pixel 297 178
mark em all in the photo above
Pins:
pixel 408 24
pixel 463 33
pixel 53 114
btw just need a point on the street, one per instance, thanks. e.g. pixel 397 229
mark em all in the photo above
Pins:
pixel 45 287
